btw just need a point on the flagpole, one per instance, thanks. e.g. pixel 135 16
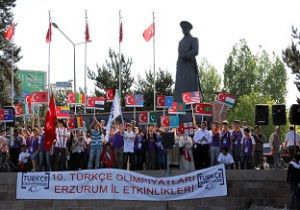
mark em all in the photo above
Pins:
pixel 154 89
pixel 85 59
pixel 12 69
pixel 49 50
pixel 120 62
pixel 85 56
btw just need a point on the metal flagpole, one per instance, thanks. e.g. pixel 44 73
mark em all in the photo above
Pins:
pixel 120 62
pixel 49 48
pixel 85 55
pixel 85 59
pixel 12 69
pixel 154 89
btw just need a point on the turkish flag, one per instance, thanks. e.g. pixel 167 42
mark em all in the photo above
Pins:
pixel 2 117
pixel 160 101
pixel 50 123
pixel 71 124
pixel 10 31
pixel 110 94
pixel 39 97
pixel 49 34
pixel 130 101
pixel 204 109
pixel 71 98
pixel 164 121
pixel 149 32
pixel 19 109
pixel 121 33
pixel 87 33
pixel 143 118
pixel 95 102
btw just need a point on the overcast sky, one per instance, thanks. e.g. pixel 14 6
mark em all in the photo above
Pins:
pixel 218 24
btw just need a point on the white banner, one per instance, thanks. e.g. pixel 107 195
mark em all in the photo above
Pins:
pixel 121 185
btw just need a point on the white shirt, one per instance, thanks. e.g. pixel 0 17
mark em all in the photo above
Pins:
pixel 202 137
pixel 225 159
pixel 129 138
pixel 23 157
pixel 61 137
pixel 290 137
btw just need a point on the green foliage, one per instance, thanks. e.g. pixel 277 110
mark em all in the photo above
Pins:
pixel 274 84
pixel 240 72
pixel 107 75
pixel 210 80
pixel 291 57
pixel 145 86
pixel 245 73
pixel 7 49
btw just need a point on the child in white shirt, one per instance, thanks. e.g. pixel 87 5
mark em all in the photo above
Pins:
pixel 226 158
pixel 23 159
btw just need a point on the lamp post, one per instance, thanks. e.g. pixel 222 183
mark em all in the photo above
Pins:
pixel 74 50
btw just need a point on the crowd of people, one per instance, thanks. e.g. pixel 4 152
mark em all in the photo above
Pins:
pixel 126 146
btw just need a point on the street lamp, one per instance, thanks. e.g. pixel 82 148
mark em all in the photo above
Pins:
pixel 74 50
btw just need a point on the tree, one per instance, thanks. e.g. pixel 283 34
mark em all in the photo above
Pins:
pixel 210 80
pixel 274 84
pixel 245 73
pixel 107 75
pixel 291 57
pixel 145 86
pixel 240 73
pixel 9 55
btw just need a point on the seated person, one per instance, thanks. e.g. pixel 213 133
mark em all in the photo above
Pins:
pixel 23 159
pixel 226 158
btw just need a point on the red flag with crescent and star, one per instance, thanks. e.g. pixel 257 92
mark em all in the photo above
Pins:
pixel 50 123
pixel 169 121
pixel 143 118
pixel 95 103
pixel 204 109
pixel 226 98
pixel 19 110
pixel 177 108
pixel 136 100
pixel 191 97
pixel 39 97
pixel 149 32
pixel 110 94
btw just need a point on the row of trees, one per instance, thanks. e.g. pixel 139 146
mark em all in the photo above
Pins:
pixel 244 74
pixel 9 55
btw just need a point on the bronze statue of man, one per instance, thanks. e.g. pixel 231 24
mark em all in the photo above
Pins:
pixel 187 78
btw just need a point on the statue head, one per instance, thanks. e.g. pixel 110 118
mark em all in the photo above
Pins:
pixel 186 27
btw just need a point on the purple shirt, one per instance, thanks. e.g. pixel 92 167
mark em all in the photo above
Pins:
pixel 32 144
pixel 151 142
pixel 215 139
pixel 225 140
pixel 117 141
pixel 247 146
pixel 138 143
pixel 237 138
